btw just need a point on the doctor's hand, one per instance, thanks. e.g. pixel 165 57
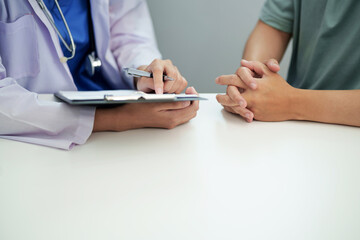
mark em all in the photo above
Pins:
pixel 270 101
pixel 158 68
pixel 143 115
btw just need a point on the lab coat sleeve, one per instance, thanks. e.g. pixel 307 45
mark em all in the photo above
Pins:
pixel 132 40
pixel 23 117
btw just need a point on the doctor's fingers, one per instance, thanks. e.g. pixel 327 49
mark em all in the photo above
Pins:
pixel 169 106
pixel 173 72
pixel 179 116
pixel 183 85
pixel 179 86
pixel 145 84
pixel 190 106
pixel 176 86
pixel 232 80
pixel 243 112
pixel 187 113
pixel 159 68
pixel 191 90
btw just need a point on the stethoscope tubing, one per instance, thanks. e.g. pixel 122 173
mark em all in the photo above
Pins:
pixel 72 47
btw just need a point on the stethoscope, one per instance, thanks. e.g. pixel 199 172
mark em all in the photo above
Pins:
pixel 92 62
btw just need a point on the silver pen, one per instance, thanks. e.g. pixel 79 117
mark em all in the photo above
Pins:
pixel 138 73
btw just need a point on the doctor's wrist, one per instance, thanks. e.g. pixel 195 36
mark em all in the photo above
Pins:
pixel 102 121
pixel 114 119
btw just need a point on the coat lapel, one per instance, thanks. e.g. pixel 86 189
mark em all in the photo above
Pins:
pixel 55 39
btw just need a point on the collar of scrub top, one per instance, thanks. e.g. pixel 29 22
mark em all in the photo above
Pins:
pixel 71 48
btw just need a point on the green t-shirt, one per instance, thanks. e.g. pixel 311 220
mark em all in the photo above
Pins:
pixel 326 41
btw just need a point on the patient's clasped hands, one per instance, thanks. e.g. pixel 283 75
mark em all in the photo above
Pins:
pixel 257 91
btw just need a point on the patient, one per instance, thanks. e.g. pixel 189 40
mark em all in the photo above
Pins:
pixel 324 76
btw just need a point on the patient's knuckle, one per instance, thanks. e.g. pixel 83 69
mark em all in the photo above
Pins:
pixel 234 78
pixel 241 70
pixel 238 98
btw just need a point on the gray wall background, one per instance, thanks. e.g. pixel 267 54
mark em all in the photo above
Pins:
pixel 205 38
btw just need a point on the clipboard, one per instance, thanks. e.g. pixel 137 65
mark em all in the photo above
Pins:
pixel 116 97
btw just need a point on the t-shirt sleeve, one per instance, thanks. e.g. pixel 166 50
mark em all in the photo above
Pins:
pixel 279 14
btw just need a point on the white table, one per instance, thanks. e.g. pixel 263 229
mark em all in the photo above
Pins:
pixel 216 177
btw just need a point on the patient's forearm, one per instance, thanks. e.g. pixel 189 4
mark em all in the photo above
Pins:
pixel 339 107
pixel 266 43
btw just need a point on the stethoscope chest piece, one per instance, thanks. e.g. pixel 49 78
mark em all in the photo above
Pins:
pixel 92 64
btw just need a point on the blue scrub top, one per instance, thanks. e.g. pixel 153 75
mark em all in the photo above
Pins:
pixel 76 15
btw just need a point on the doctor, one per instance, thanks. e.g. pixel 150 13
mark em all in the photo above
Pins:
pixel 52 45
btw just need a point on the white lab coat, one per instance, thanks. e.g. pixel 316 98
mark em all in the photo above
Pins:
pixel 29 65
